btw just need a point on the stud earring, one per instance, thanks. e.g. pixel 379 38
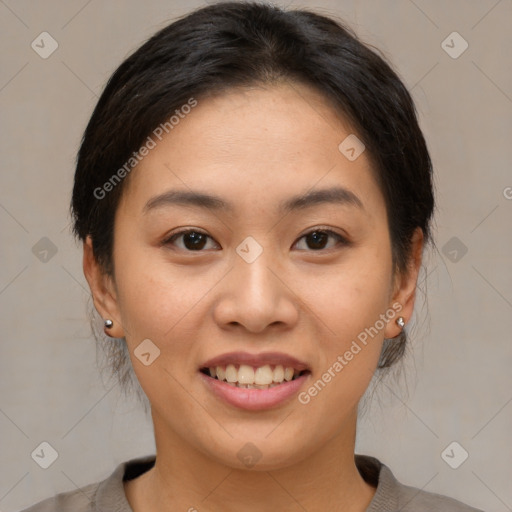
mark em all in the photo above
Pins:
pixel 108 324
pixel 400 321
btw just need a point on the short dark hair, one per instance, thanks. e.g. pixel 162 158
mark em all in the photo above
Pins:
pixel 231 44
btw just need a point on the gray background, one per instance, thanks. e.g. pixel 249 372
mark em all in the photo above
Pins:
pixel 457 380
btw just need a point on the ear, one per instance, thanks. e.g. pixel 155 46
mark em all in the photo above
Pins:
pixel 103 290
pixel 404 291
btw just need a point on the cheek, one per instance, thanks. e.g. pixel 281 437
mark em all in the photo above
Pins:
pixel 142 297
pixel 153 294
pixel 157 304
pixel 349 302
pixel 349 341
pixel 351 296
pixel 164 303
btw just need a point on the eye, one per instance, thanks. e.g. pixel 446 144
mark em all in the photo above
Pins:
pixel 192 240
pixel 318 239
pixel 195 240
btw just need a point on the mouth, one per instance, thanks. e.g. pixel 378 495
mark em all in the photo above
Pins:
pixel 254 382
pixel 254 377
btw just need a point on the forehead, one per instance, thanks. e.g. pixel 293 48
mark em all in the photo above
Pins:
pixel 265 142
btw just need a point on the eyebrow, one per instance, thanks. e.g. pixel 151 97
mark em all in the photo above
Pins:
pixel 336 195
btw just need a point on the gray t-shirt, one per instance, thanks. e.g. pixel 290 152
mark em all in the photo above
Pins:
pixel 390 496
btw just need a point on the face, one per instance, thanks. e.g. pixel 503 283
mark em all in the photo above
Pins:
pixel 289 264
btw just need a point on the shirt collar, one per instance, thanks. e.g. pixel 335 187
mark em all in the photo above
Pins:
pixel 110 496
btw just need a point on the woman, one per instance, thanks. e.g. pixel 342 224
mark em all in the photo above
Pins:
pixel 254 196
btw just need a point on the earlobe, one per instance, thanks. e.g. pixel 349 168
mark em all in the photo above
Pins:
pixel 405 290
pixel 102 289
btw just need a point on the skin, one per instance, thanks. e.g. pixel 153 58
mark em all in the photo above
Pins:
pixel 253 147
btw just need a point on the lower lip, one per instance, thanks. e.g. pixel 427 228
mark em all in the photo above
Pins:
pixel 253 399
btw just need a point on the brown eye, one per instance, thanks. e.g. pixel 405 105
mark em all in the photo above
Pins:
pixel 192 240
pixel 318 239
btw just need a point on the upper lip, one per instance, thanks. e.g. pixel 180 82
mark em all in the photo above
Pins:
pixel 256 360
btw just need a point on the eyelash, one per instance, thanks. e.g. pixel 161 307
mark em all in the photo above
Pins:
pixel 342 241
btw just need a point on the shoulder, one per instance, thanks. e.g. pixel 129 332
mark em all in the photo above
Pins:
pixel 392 495
pixel 80 500
pixel 107 494
pixel 412 499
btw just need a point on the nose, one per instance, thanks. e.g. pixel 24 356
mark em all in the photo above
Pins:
pixel 256 296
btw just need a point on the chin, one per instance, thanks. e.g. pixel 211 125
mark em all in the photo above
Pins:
pixel 259 454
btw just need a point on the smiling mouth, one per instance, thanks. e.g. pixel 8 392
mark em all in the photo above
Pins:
pixel 245 376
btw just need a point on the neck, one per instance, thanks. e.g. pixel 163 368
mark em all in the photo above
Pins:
pixel 185 479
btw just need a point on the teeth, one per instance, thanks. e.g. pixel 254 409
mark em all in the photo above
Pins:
pixel 221 373
pixel 263 375
pixel 246 376
pixel 231 373
pixel 278 374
